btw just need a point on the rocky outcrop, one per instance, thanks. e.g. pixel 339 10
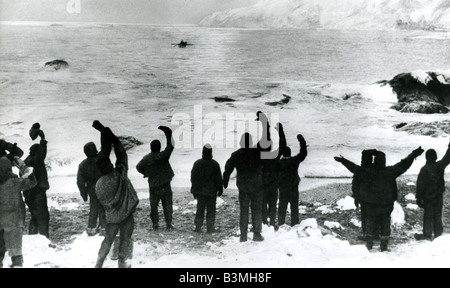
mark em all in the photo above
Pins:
pixel 433 129
pixel 129 142
pixel 421 92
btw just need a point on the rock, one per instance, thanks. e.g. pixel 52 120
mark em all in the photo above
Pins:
pixel 434 129
pixel 223 99
pixel 57 64
pixel 285 100
pixel 422 107
pixel 421 92
pixel 129 142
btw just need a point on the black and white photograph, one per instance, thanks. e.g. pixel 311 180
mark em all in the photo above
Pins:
pixel 224 134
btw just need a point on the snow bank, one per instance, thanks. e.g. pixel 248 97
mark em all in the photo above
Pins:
pixel 300 246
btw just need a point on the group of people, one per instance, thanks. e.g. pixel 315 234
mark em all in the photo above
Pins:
pixel 264 177
pixel 375 190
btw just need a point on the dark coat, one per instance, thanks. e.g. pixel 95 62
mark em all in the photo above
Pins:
pixel 88 173
pixel 12 207
pixel 156 167
pixel 288 167
pixel 430 181
pixel 114 190
pixel 377 184
pixel 36 159
pixel 247 162
pixel 206 177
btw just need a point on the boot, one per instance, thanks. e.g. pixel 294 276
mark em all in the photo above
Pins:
pixel 384 245
pixel 243 238
pixel 1 261
pixel 123 263
pixel 17 261
pixel 198 230
pixel 369 244
pixel 258 237
pixel 422 237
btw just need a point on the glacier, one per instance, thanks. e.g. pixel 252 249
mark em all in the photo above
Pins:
pixel 343 14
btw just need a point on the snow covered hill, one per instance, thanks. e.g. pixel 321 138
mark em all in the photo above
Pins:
pixel 342 14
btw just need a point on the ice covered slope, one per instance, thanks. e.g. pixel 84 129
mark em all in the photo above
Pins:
pixel 342 14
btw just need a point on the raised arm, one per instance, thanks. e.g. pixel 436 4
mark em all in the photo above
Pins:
pixel 352 167
pixel 169 140
pixel 402 166
pixel 446 159
pixel 108 138
pixel 303 149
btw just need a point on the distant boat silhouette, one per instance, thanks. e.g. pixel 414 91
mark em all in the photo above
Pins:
pixel 182 44
pixel 57 64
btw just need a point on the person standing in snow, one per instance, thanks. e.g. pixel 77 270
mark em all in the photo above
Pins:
pixel 206 180
pixel 12 207
pixel 247 162
pixel 288 181
pixel 379 194
pixel 36 198
pixel 429 194
pixel 87 177
pixel 117 196
pixel 366 161
pixel 156 167
pixel 270 166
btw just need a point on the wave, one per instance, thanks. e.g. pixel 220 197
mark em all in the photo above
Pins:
pixel 347 14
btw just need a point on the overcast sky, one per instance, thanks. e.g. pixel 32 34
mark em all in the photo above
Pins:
pixel 115 11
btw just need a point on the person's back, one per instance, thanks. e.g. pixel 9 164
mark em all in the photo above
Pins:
pixel 206 177
pixel 156 166
pixel 430 181
pixel 248 167
pixel 288 165
pixel 36 159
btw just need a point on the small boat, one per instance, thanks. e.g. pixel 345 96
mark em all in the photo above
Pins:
pixel 182 44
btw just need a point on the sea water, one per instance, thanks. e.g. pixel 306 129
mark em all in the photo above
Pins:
pixel 132 79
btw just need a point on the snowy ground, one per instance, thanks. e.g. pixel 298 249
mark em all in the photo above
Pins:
pixel 307 245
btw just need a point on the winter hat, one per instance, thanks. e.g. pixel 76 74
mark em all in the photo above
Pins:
pixel 207 151
pixel 246 140
pixel 431 155
pixel 90 150
pixel 5 169
pixel 104 165
pixel 155 146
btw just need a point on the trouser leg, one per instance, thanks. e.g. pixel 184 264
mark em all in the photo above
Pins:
pixel 200 213
pixel 126 231
pixel 438 227
pixel 273 198
pixel 167 203
pixel 282 205
pixel 294 206
pixel 94 211
pixel 256 206
pixel 40 216
pixel 428 219
pixel 154 202
pixel 244 203
pixel 210 213
pixel 2 248
pixel 111 231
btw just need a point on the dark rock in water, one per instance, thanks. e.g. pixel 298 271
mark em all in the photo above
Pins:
pixel 420 107
pixel 433 129
pixel 434 88
pixel 57 64
pixel 350 95
pixel 129 142
pixel 223 99
pixel 401 125
pixel 283 101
